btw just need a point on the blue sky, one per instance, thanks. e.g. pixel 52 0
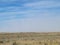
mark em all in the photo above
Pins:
pixel 29 15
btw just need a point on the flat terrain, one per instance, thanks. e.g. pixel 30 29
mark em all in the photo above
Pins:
pixel 31 38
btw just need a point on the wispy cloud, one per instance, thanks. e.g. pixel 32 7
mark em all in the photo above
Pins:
pixel 43 4
pixel 29 15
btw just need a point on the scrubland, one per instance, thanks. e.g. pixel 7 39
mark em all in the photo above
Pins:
pixel 30 38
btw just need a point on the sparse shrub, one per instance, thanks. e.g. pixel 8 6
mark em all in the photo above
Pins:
pixel 39 42
pixel 26 44
pixel 1 42
pixel 14 43
pixel 45 44
pixel 32 39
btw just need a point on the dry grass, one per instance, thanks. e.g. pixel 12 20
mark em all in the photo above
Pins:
pixel 30 38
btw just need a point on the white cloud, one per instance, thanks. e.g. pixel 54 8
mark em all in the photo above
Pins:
pixel 10 9
pixel 13 15
pixel 13 11
pixel 27 14
pixel 43 4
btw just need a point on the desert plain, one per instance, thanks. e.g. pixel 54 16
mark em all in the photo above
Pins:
pixel 30 38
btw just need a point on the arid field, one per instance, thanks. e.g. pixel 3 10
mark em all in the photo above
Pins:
pixel 30 38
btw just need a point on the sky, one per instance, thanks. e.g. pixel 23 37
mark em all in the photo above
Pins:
pixel 29 15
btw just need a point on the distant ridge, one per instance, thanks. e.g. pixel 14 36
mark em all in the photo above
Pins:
pixel 41 33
